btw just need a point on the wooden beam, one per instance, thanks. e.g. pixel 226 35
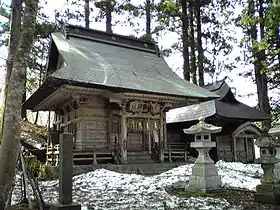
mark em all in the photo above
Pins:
pixel 234 150
pixel 161 139
pixel 123 139
pixel 254 152
pixel 246 148
pixel 109 128
pixel 165 130
pixel 149 136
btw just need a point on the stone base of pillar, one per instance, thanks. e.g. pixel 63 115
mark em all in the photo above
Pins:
pixel 204 178
pixel 277 171
pixel 72 206
pixel 267 193
pixel 161 157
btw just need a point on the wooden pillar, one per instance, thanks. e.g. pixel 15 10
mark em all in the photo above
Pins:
pixel 149 136
pixel 161 139
pixel 109 130
pixel 246 149
pixel 254 152
pixel 165 130
pixel 83 134
pixel 123 139
pixel 234 150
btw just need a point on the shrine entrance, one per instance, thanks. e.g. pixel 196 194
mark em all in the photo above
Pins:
pixel 142 133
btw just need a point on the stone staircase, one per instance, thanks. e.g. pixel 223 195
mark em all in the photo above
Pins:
pixel 139 158
pixel 151 168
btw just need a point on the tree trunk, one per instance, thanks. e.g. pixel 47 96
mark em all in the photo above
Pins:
pixel 11 133
pixel 87 13
pixel 148 17
pixel 23 110
pixel 263 94
pixel 15 23
pixel 259 63
pixel 199 46
pixel 109 10
pixel 192 44
pixel 277 35
pixel 185 39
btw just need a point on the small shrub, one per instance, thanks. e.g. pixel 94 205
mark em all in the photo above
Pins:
pixel 48 172
pixel 33 166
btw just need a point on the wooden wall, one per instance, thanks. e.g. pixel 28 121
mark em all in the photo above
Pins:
pixel 225 147
pixel 88 123
pixel 95 119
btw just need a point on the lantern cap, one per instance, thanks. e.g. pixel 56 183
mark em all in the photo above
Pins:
pixel 265 141
pixel 202 127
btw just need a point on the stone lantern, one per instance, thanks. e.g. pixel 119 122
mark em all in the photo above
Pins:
pixel 204 176
pixel 267 191
pixel 275 132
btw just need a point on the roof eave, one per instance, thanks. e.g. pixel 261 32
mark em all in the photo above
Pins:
pixel 47 88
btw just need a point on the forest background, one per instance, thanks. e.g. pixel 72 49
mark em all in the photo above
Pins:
pixel 202 40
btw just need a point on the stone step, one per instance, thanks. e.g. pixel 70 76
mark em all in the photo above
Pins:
pixel 135 168
pixel 147 161
pixel 138 153
pixel 138 157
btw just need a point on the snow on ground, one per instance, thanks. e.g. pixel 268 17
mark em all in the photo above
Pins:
pixel 103 189
pixel 239 175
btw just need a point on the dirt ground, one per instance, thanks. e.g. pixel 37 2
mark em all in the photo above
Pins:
pixel 236 198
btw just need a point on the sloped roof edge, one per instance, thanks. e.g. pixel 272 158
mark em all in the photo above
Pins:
pixel 89 62
pixel 192 112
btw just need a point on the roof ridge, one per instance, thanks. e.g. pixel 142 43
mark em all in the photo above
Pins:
pixel 215 85
pixel 110 38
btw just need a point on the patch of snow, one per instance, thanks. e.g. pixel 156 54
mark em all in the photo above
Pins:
pixel 104 189
pixel 239 175
pixel 30 140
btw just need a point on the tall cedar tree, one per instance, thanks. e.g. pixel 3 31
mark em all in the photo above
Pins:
pixel 87 12
pixel 148 17
pixel 15 23
pixel 109 10
pixel 259 59
pixel 192 42
pixel 11 133
pixel 185 40
pixel 200 56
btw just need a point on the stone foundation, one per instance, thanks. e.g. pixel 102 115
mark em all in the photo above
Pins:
pixel 66 207
pixel 268 193
pixel 204 178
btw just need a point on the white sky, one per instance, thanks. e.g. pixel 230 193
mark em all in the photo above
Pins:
pixel 243 86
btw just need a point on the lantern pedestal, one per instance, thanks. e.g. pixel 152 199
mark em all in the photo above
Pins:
pixel 268 191
pixel 204 176
pixel 277 165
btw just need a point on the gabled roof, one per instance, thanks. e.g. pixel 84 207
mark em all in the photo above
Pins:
pixel 226 106
pixel 247 127
pixel 115 66
pixel 116 62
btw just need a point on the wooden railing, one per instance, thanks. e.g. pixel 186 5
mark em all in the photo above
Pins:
pixel 83 153
pixel 52 155
pixel 176 152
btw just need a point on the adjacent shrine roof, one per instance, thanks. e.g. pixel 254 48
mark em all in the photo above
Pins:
pixel 275 130
pixel 110 61
pixel 226 106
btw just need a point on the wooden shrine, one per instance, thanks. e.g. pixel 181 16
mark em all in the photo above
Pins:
pixel 236 140
pixel 112 93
